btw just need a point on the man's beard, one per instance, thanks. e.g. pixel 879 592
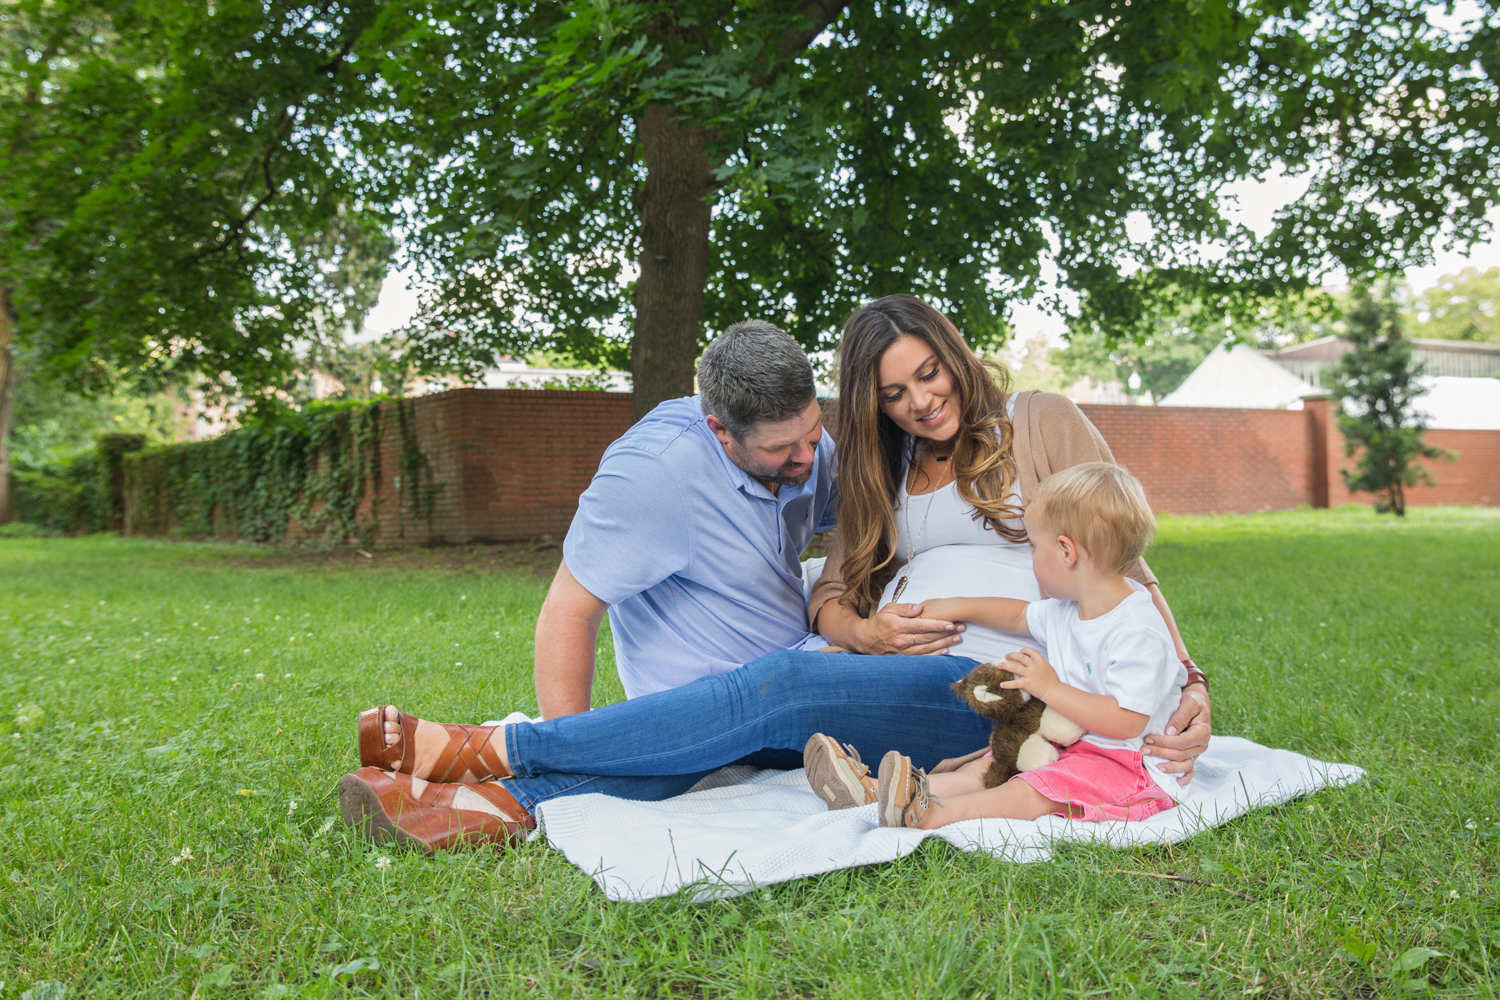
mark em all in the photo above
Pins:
pixel 775 476
pixel 782 479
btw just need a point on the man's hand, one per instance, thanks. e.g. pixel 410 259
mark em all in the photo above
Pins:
pixel 898 628
pixel 566 631
pixel 1033 673
pixel 1187 734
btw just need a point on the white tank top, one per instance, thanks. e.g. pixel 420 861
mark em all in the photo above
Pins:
pixel 957 557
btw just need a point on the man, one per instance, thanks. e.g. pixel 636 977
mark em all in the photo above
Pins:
pixel 691 532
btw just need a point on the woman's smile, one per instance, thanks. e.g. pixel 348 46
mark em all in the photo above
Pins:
pixel 935 418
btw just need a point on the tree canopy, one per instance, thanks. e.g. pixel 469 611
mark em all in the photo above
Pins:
pixel 1164 356
pixel 177 199
pixel 1462 306
pixel 198 187
pixel 836 152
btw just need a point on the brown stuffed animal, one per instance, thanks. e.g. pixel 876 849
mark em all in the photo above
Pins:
pixel 1025 729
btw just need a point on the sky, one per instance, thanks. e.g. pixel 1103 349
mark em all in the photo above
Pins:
pixel 1254 204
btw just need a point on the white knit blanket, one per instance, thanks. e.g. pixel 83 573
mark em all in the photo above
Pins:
pixel 741 828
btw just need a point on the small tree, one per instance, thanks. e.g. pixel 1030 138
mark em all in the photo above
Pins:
pixel 1377 381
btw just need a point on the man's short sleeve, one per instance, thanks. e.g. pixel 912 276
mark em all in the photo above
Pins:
pixel 631 531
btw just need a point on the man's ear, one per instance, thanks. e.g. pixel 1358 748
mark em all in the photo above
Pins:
pixel 720 431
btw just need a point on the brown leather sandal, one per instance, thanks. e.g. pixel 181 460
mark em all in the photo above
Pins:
pixel 384 807
pixel 468 750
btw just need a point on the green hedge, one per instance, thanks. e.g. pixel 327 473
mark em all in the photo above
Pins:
pixel 81 496
pixel 313 467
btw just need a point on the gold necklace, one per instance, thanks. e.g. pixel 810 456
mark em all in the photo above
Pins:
pixel 911 543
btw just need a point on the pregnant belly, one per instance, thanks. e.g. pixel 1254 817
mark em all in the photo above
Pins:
pixel 998 570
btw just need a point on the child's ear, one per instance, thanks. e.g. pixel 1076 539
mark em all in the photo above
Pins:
pixel 1070 550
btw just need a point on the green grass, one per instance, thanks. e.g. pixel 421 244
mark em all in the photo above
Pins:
pixel 1338 634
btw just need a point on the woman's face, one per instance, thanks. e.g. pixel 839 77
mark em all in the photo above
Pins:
pixel 916 390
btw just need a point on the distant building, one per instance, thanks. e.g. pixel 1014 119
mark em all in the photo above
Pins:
pixel 1452 358
pixel 1086 391
pixel 1243 378
pixel 511 374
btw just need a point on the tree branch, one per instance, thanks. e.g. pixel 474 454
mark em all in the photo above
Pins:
pixel 821 13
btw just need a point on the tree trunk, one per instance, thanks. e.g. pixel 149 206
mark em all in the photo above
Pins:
pixel 674 259
pixel 7 399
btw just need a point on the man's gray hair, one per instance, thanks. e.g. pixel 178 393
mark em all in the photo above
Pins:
pixel 752 373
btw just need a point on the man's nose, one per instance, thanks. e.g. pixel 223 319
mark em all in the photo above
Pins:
pixel 803 452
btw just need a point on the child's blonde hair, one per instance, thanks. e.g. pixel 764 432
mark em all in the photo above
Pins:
pixel 1101 507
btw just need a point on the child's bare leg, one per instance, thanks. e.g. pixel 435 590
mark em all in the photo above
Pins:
pixel 1013 800
pixel 965 781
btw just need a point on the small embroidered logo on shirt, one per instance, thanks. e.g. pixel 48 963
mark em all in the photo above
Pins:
pixel 1088 668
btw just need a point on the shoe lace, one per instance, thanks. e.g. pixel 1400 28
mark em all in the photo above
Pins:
pixel 924 798
pixel 860 767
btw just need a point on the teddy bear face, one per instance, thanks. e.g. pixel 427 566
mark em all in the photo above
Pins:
pixel 980 689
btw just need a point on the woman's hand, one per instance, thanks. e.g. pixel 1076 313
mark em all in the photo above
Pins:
pixel 902 629
pixel 1187 734
pixel 1033 673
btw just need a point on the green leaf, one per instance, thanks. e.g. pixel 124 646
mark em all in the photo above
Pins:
pixel 357 965
pixel 222 976
pixel 1415 958
pixel 1357 949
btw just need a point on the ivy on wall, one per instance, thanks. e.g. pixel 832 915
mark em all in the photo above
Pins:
pixel 313 468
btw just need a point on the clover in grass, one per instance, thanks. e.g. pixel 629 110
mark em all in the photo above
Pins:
pixel 30 717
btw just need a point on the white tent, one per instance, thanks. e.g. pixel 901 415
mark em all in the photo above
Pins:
pixel 1243 378
pixel 1455 403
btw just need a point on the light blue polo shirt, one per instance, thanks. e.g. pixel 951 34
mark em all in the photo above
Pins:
pixel 698 562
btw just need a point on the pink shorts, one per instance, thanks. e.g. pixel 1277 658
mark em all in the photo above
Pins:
pixel 1099 784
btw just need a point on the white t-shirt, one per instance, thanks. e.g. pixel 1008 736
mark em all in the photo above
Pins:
pixel 1127 654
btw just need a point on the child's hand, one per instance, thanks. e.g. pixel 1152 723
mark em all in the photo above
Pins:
pixel 1033 673
pixel 941 608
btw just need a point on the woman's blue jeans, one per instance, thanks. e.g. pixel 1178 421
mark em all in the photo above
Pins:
pixel 660 745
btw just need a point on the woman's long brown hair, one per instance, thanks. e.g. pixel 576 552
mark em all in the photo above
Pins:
pixel 872 449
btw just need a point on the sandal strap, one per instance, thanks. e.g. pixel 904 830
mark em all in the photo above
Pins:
pixel 504 801
pixel 469 750
pixel 373 750
pixel 407 725
pixel 440 795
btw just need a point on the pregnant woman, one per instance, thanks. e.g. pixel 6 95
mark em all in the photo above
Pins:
pixel 935 463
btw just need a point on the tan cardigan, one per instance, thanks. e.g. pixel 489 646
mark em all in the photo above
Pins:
pixel 1051 434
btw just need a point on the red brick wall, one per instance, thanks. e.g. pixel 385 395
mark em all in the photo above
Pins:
pixel 1203 461
pixel 512 463
pixel 509 464
pixel 1209 460
pixel 1472 477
